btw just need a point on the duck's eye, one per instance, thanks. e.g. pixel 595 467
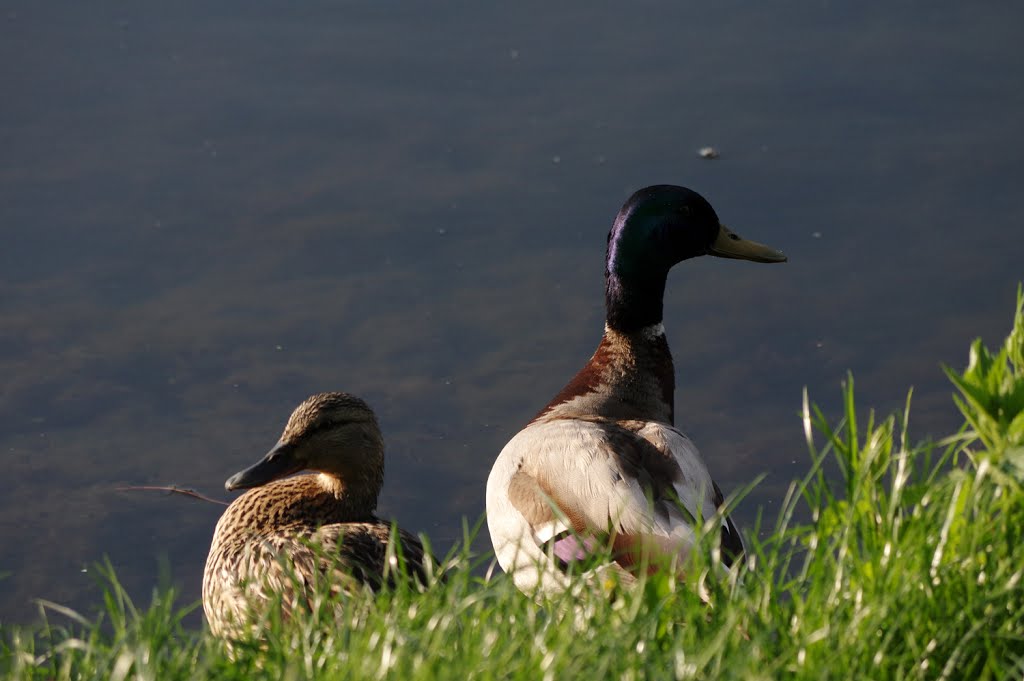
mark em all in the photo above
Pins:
pixel 734 237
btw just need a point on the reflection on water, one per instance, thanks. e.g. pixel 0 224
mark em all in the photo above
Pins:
pixel 209 213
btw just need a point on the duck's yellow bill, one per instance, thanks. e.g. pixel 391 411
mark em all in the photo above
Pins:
pixel 729 244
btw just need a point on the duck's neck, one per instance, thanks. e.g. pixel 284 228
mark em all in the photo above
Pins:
pixel 357 495
pixel 630 376
pixel 313 499
pixel 356 472
pixel 633 297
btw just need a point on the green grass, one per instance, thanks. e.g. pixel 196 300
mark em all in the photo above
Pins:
pixel 910 567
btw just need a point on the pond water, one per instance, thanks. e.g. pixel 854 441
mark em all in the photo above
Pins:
pixel 212 211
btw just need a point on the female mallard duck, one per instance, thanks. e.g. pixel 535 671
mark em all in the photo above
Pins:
pixel 602 466
pixel 285 536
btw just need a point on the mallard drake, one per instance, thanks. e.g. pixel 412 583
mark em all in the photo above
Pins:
pixel 602 466
pixel 284 536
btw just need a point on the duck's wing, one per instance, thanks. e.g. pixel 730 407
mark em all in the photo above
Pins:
pixel 372 552
pixel 276 571
pixel 693 490
pixel 286 567
pixel 640 486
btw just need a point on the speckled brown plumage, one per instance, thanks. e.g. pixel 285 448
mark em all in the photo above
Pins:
pixel 279 541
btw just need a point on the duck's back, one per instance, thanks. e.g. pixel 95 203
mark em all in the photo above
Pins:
pixel 283 540
pixel 642 481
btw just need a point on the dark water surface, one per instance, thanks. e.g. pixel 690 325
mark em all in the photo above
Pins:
pixel 211 210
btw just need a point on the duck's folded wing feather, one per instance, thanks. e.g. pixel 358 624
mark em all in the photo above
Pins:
pixel 643 485
pixel 293 564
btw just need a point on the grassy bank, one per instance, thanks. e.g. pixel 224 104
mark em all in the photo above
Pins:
pixel 910 567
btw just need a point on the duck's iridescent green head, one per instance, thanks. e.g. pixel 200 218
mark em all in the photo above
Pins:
pixel 658 227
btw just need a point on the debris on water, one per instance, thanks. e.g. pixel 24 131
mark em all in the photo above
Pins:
pixel 816 235
pixel 442 231
pixel 279 347
pixel 708 153
pixel 556 159
pixel 514 54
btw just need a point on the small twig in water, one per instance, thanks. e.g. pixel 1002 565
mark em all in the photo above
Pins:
pixel 172 489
